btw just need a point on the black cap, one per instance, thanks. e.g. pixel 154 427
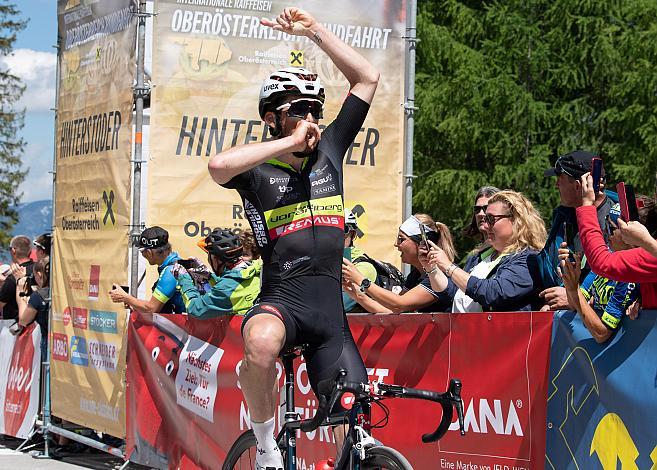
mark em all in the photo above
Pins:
pixel 153 237
pixel 573 164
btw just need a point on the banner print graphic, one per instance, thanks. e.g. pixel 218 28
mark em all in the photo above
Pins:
pixel 20 372
pixel 209 61
pixel 601 407
pixel 185 406
pixel 92 209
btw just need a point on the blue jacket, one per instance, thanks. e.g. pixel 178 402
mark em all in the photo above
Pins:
pixel 513 285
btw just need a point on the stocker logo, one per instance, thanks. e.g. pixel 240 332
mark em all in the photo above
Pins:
pixel 104 322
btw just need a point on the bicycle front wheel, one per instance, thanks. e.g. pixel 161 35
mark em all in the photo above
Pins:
pixel 385 458
pixel 242 453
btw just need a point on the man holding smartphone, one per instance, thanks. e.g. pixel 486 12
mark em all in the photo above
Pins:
pixel 154 246
pixel 568 169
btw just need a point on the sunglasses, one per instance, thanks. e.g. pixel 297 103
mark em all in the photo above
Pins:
pixel 492 219
pixel 478 209
pixel 559 168
pixel 301 107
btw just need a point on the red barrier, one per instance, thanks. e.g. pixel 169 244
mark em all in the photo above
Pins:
pixel 185 407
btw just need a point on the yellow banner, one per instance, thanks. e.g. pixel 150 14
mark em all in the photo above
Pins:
pixel 209 60
pixel 92 211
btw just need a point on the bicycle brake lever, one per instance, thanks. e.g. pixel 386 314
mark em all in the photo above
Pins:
pixel 455 386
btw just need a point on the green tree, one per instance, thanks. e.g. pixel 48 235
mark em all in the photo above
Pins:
pixel 504 87
pixel 11 122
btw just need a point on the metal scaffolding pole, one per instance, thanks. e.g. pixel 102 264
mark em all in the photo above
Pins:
pixel 140 92
pixel 409 104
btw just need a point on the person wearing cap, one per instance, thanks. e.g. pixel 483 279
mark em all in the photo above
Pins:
pixel 568 169
pixel 154 246
pixel 417 294
pixel 42 245
pixel 601 302
pixel 20 248
pixel 233 286
pixel 356 255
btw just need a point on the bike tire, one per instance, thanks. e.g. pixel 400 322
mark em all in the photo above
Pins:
pixel 242 453
pixel 385 458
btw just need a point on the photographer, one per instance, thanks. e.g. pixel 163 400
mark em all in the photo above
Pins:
pixel 20 247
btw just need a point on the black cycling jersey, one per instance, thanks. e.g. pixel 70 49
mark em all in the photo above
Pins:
pixel 298 217
pixel 298 221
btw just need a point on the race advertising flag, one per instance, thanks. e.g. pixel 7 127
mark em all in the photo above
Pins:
pixel 601 408
pixel 185 405
pixel 92 210
pixel 20 370
pixel 209 61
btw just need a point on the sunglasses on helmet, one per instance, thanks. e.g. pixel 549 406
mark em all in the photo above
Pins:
pixel 301 107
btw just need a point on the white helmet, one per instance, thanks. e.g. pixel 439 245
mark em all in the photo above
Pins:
pixel 289 81
pixel 350 221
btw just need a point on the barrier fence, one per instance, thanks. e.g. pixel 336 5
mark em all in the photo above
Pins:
pixel 185 406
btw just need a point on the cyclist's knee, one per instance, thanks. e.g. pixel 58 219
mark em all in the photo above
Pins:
pixel 264 337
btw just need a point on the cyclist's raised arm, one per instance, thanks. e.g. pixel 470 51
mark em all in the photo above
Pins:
pixel 362 76
pixel 226 165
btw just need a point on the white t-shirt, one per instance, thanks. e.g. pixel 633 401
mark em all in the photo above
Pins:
pixel 464 303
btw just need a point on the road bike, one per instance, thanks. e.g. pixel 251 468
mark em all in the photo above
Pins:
pixel 360 451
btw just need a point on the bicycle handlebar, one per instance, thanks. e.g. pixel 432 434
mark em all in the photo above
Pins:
pixel 448 401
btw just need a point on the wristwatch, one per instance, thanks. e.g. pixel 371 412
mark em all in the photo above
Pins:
pixel 365 284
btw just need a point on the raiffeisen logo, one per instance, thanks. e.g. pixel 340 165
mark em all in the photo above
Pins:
pixel 501 419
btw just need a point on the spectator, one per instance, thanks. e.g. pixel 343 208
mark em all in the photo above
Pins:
pixel 251 250
pixel 601 302
pixel 20 247
pixel 568 169
pixel 499 278
pixel 476 228
pixel 366 268
pixel 42 245
pixel 34 307
pixel 154 246
pixel 635 265
pixel 417 294
pixel 235 284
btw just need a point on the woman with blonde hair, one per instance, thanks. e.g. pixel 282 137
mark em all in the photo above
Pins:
pixel 417 294
pixel 500 278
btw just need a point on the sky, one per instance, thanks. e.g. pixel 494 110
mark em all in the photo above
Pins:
pixel 34 61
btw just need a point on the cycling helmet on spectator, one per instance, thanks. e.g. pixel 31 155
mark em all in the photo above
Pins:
pixel 224 244
pixel 286 82
pixel 350 221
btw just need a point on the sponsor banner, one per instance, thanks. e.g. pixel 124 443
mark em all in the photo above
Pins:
pixel 201 44
pixel 94 134
pixel 601 406
pixel 20 371
pixel 504 389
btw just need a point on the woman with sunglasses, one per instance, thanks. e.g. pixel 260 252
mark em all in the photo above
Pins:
pixel 500 278
pixel 476 229
pixel 417 295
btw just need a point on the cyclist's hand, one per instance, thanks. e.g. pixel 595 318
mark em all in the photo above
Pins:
pixel 306 136
pixel 291 21
pixel 117 294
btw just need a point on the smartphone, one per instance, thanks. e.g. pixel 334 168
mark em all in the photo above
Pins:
pixel 596 173
pixel 627 201
pixel 423 236
pixel 126 289
pixel 568 238
pixel 346 253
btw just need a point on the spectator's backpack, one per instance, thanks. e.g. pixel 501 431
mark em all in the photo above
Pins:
pixel 387 275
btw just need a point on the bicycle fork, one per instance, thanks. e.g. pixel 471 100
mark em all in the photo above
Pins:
pixel 290 415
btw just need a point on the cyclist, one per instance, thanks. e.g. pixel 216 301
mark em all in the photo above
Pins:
pixel 356 255
pixel 291 189
pixel 234 285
